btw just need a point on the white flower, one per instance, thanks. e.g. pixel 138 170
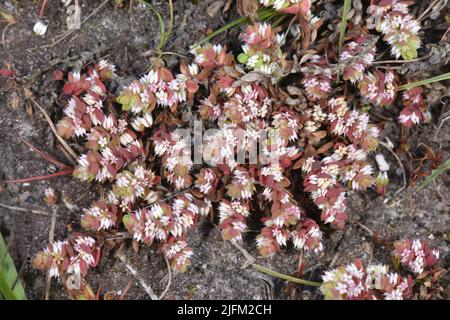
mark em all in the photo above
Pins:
pixel 393 295
pixel 40 28
pixel 193 69
pixel 381 162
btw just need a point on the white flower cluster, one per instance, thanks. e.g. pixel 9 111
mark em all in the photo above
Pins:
pixel 415 257
pixel 354 282
pixel 158 87
pixel 84 258
pixel 55 251
pixel 177 160
pixel 232 219
pixel 400 29
pixel 261 50
pixel 309 239
pixel 280 5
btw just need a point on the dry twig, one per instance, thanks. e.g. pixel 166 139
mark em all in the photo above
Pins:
pixel 384 144
pixel 51 236
pixel 169 281
pixel 42 213
pixel 52 126
pixel 63 36
pixel 135 274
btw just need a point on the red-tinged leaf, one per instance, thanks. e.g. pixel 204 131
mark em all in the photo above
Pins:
pixel 7 73
pixel 325 147
pixel 100 84
pixel 431 260
pixel 184 69
pixel 120 162
pixel 58 75
pixel 210 53
pixel 166 75
pixel 99 114
pixel 83 268
pixel 111 169
pixel 81 87
pixel 97 255
pixel 69 88
pixel 87 123
pixel 320 200
pixel 310 188
pixel 298 164
pixel 191 86
pixel 226 82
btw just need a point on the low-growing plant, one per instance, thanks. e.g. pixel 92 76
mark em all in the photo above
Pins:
pixel 137 143
pixel 356 282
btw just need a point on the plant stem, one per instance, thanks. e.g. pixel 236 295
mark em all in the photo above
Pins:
pixel 41 12
pixel 343 23
pixel 162 26
pixel 285 277
pixel 169 30
pixel 46 156
pixel 441 77
pixel 40 178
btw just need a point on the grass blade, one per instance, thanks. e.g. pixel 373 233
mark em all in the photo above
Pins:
pixel 285 277
pixel 435 173
pixel 10 286
pixel 162 25
pixel 441 77
pixel 345 11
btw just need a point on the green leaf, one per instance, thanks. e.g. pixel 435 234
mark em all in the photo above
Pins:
pixel 8 18
pixel 396 263
pixel 285 277
pixel 345 11
pixel 441 77
pixel 409 54
pixel 10 285
pixel 162 26
pixel 123 100
pixel 242 58
pixel 435 173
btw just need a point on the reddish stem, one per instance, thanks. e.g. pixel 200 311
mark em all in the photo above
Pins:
pixel 46 156
pixel 42 8
pixel 40 178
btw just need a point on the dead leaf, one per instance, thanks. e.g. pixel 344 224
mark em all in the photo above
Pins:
pixel 252 77
pixel 29 109
pixel 298 163
pixel 15 102
pixel 28 94
pixel 294 91
pixel 8 17
pixel 213 9
pixel 227 6
pixel 73 20
pixel 325 147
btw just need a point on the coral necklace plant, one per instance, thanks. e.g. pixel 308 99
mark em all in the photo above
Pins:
pixel 156 190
